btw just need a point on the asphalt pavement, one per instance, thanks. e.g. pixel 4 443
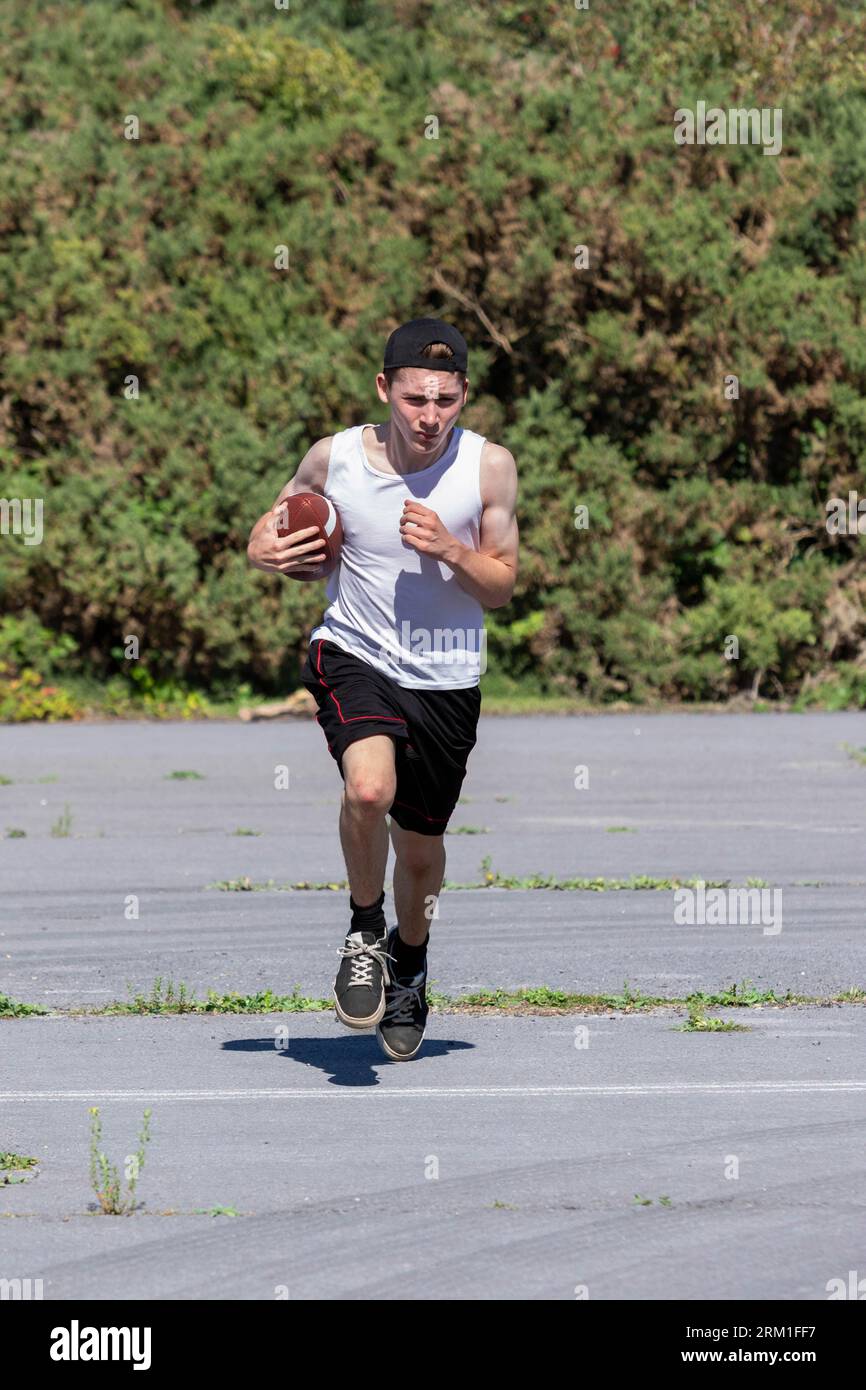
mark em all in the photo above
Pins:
pixel 603 1155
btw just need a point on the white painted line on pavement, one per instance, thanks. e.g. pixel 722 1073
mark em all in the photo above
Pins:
pixel 315 1093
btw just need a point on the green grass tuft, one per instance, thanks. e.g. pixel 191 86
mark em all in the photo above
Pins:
pixel 697 1022
pixel 11 1008
pixel 166 998
pixel 16 1168
pixel 62 827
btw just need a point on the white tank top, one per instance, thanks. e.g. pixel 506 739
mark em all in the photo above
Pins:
pixel 396 608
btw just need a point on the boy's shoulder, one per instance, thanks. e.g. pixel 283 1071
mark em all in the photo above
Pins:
pixel 496 455
pixel 498 475
pixel 312 471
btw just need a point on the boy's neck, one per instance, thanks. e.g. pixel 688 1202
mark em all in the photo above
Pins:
pixel 399 456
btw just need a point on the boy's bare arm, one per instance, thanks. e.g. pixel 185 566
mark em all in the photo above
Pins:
pixel 270 552
pixel 490 573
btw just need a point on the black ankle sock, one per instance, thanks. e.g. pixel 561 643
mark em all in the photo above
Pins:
pixel 369 919
pixel 409 960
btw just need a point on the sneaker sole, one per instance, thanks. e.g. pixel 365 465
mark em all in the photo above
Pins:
pixel 360 1023
pixel 398 1056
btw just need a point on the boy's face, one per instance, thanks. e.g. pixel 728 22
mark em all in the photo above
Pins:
pixel 424 405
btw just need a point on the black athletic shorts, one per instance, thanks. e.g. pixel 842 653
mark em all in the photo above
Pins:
pixel 434 731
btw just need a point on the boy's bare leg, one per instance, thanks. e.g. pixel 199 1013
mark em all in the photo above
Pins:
pixel 418 875
pixel 370 787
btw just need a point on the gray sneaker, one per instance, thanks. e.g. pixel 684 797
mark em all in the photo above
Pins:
pixel 401 1031
pixel 359 989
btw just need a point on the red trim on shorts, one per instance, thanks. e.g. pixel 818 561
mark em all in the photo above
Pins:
pixel 443 820
pixel 390 718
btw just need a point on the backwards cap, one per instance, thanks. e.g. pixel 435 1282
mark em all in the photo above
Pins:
pixel 403 348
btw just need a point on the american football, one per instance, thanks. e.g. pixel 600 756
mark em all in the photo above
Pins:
pixel 299 513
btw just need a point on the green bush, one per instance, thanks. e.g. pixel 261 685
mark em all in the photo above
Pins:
pixel 25 642
pixel 25 696
pixel 162 378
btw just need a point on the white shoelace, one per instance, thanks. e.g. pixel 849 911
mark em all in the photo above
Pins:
pixel 363 954
pixel 400 1008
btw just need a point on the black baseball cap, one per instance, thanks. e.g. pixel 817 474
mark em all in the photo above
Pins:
pixel 403 348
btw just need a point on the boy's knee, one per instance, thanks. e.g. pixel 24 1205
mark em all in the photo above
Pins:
pixel 418 853
pixel 369 795
pixel 370 775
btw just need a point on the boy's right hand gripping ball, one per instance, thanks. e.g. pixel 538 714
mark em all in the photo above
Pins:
pixel 299 513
